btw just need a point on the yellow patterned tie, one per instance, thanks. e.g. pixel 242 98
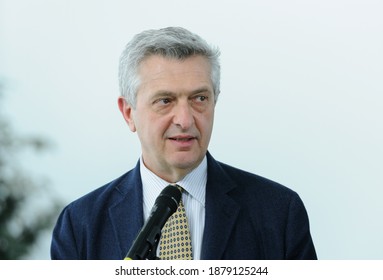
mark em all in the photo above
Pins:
pixel 175 243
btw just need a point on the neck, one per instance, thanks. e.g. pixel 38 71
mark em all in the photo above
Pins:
pixel 171 175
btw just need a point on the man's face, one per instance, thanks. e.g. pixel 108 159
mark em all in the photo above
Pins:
pixel 174 114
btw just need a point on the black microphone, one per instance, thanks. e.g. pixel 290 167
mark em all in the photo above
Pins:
pixel 145 245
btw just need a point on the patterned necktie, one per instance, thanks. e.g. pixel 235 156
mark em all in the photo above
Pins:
pixel 175 242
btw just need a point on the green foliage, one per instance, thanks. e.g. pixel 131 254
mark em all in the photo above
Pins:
pixel 20 223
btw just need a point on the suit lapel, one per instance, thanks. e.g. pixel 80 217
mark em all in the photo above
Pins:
pixel 221 211
pixel 126 215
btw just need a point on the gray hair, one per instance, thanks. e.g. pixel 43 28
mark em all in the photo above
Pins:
pixel 170 42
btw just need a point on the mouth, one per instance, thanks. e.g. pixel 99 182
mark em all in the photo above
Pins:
pixel 182 139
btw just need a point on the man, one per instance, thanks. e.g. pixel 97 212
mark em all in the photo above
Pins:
pixel 169 83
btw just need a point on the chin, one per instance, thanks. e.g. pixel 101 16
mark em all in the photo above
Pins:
pixel 187 162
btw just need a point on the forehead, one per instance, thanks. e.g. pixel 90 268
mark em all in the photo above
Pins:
pixel 156 68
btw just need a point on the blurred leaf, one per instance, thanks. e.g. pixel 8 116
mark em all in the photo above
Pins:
pixel 18 234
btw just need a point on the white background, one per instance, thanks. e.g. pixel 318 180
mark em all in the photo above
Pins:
pixel 301 99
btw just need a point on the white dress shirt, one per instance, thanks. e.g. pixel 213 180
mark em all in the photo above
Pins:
pixel 193 198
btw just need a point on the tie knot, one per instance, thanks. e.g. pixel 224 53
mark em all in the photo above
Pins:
pixel 181 189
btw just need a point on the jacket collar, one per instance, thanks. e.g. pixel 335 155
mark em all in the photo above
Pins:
pixel 221 211
pixel 126 214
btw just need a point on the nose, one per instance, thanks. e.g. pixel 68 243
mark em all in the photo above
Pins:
pixel 183 115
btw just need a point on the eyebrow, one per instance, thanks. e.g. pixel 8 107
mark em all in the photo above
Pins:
pixel 171 93
pixel 200 90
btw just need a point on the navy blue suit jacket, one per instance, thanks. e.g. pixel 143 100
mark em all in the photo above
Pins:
pixel 247 217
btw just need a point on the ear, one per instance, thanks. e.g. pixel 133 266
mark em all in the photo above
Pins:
pixel 127 112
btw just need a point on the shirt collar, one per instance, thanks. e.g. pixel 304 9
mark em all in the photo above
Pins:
pixel 193 183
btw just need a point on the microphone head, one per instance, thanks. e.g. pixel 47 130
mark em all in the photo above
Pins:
pixel 170 196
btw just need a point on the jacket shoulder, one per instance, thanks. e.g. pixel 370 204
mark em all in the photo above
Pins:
pixel 105 196
pixel 245 180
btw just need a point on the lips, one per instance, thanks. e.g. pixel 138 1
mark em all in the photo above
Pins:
pixel 182 139
pixel 183 142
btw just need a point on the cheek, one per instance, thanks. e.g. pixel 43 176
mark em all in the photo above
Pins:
pixel 207 121
pixel 205 127
pixel 154 128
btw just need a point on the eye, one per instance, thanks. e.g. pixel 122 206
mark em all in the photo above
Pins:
pixel 201 98
pixel 162 101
